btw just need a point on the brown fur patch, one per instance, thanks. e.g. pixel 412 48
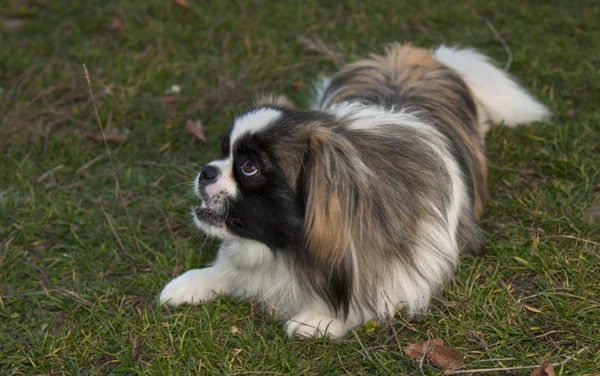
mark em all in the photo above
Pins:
pixel 421 82
pixel 332 169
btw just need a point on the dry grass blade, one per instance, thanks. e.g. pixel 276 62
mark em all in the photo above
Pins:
pixel 518 368
pixel 89 164
pixel 502 42
pixel 50 172
pixel 314 44
pixel 118 194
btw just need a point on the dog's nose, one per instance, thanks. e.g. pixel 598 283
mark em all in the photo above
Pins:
pixel 209 172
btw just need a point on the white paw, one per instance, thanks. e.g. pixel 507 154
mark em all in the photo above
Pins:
pixel 192 287
pixel 315 325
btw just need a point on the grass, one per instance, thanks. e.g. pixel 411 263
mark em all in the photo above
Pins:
pixel 80 268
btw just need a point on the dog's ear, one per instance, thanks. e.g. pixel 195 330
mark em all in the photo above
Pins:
pixel 274 100
pixel 334 181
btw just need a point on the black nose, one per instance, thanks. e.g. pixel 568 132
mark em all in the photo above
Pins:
pixel 209 172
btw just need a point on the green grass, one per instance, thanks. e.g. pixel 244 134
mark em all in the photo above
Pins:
pixel 74 301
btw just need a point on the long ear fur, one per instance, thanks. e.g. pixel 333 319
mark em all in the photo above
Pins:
pixel 335 180
pixel 274 100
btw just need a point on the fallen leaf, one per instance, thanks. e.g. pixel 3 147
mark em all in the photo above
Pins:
pixel 112 135
pixel 298 85
pixel 176 226
pixel 235 330
pixel 169 99
pixel 544 369
pixel 532 309
pixel 194 129
pixel 445 358
pixel 591 213
pixel 230 85
pixel 181 3
pixel 415 350
pixel 134 300
pixel 135 348
pixel 116 24
pixel 13 24
pixel 40 247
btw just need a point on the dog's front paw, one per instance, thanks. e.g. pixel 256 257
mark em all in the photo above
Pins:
pixel 192 287
pixel 315 325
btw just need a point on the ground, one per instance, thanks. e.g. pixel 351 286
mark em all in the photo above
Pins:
pixel 88 237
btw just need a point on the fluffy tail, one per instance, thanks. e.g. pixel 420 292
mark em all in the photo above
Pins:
pixel 500 98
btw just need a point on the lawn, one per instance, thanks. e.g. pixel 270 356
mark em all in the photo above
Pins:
pixel 90 234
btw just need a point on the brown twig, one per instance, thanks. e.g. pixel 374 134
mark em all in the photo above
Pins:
pixel 88 164
pixel 314 44
pixel 502 42
pixel 470 371
pixel 50 172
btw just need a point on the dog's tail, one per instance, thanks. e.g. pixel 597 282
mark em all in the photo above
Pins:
pixel 499 98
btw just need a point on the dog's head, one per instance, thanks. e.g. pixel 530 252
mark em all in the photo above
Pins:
pixel 285 179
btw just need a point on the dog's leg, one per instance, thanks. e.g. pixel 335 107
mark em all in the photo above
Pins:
pixel 313 324
pixel 195 286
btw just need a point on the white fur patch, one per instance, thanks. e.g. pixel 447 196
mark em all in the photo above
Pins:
pixel 225 182
pixel 319 88
pixel 253 122
pixel 192 287
pixel 219 232
pixel 501 97
pixel 310 324
pixel 368 117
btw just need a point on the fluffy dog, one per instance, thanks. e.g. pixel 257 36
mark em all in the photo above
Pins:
pixel 362 205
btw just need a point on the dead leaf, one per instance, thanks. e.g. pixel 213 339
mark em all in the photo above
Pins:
pixel 532 309
pixel 111 135
pixel 596 188
pixel 40 247
pixel 116 24
pixel 13 24
pixel 182 3
pixel 298 85
pixel 544 369
pixel 135 348
pixel 230 85
pixel 194 128
pixel 134 300
pixel 415 350
pixel 176 226
pixel 169 99
pixel 445 358
pixel 591 213
pixel 235 330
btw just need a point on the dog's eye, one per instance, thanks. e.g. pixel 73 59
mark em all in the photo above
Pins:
pixel 249 168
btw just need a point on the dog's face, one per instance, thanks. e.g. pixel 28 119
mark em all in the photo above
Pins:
pixel 252 192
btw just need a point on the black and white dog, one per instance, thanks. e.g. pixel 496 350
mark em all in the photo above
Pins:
pixel 362 205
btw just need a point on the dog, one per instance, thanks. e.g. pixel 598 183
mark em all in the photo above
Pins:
pixel 362 205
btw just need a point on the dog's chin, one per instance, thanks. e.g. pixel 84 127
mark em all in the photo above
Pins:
pixel 211 221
